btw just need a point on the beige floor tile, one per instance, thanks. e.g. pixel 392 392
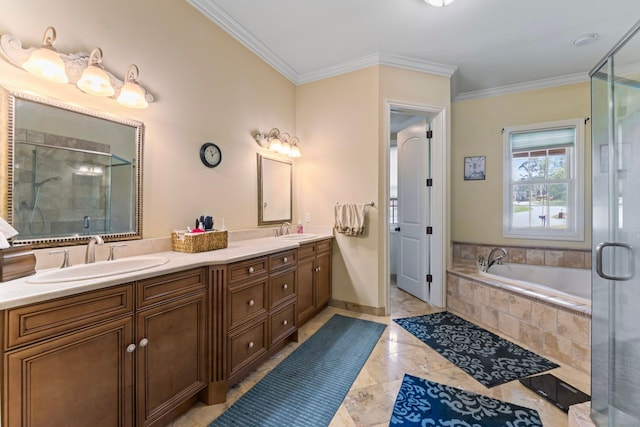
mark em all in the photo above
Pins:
pixel 371 398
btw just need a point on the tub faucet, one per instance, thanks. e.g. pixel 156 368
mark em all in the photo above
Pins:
pixel 90 256
pixel 495 259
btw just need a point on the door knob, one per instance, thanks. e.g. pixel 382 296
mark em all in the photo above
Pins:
pixel 131 348
pixel 143 342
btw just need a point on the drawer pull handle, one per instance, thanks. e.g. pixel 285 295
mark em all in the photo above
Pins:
pixel 131 348
pixel 251 270
pixel 251 303
pixel 285 259
pixel 285 286
pixel 285 322
pixel 251 344
pixel 143 342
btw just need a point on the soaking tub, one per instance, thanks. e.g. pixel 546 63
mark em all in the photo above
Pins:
pixel 573 282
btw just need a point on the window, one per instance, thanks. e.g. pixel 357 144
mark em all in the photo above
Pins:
pixel 544 181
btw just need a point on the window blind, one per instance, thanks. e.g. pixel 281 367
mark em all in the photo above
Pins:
pixel 543 139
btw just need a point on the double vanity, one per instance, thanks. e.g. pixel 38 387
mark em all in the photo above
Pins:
pixel 133 343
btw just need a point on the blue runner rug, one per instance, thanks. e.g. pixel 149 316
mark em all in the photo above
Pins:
pixel 488 358
pixel 308 387
pixel 426 403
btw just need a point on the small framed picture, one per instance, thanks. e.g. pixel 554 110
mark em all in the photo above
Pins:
pixel 474 168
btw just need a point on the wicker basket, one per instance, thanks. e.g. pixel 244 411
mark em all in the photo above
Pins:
pixel 199 242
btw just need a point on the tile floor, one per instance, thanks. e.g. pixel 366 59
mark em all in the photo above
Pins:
pixel 371 398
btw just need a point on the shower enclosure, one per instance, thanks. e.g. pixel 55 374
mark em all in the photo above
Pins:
pixel 615 364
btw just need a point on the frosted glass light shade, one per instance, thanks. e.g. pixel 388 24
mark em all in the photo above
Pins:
pixel 439 3
pixel 276 145
pixel 286 148
pixel 46 63
pixel 95 81
pixel 132 95
pixel 295 152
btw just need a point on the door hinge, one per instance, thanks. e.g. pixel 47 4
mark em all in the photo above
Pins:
pixel 429 230
pixel 429 278
pixel 429 134
pixel 429 182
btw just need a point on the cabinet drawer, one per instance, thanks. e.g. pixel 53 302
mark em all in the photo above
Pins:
pixel 248 269
pixel 246 302
pixel 246 345
pixel 163 288
pixel 323 245
pixel 43 320
pixel 307 250
pixel 283 323
pixel 283 260
pixel 282 287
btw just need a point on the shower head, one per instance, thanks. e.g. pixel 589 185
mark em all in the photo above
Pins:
pixel 53 178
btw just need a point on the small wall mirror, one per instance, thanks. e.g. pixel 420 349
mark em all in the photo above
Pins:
pixel 274 190
pixel 71 173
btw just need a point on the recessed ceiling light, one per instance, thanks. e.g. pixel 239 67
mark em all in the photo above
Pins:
pixel 438 3
pixel 585 39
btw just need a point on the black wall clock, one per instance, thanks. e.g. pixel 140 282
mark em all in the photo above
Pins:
pixel 210 154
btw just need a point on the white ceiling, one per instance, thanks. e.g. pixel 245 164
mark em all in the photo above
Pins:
pixel 482 44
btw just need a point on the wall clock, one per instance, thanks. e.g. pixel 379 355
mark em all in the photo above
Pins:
pixel 474 168
pixel 210 154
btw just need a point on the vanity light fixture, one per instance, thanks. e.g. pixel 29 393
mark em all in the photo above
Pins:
pixel 131 94
pixel 79 69
pixel 281 143
pixel 94 79
pixel 438 3
pixel 45 61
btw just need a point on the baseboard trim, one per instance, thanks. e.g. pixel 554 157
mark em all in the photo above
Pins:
pixel 358 308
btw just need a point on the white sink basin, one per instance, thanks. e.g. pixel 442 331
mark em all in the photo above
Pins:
pixel 301 236
pixel 98 269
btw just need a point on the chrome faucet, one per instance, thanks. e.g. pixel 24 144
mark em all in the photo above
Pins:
pixel 280 231
pixel 497 259
pixel 90 257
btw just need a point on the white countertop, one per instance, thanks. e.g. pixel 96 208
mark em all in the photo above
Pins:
pixel 19 292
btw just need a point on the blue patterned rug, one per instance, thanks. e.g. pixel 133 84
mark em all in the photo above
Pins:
pixel 426 403
pixel 308 387
pixel 488 358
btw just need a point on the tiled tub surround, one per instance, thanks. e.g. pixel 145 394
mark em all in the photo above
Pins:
pixel 551 325
pixel 557 257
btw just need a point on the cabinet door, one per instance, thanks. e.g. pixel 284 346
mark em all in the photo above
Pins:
pixel 323 279
pixel 81 379
pixel 171 356
pixel 306 301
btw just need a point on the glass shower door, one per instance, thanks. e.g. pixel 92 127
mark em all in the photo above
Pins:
pixel 615 364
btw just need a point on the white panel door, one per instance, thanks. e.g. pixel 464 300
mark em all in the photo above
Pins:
pixel 413 157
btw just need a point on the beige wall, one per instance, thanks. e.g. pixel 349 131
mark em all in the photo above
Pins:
pixel 338 125
pixel 476 215
pixel 207 86
pixel 342 121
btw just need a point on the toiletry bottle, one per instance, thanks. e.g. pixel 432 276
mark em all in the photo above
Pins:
pixel 299 229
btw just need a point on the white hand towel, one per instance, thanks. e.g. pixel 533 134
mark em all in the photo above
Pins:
pixel 349 218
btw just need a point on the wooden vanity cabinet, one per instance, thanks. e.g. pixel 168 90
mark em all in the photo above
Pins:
pixel 65 361
pixel 105 357
pixel 314 278
pixel 171 336
pixel 260 308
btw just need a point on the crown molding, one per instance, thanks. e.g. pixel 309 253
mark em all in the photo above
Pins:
pixel 379 58
pixel 523 87
pixel 221 18
pixel 225 21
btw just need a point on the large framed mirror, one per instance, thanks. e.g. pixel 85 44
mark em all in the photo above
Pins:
pixel 274 190
pixel 70 173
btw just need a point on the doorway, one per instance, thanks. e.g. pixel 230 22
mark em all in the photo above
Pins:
pixel 416 203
